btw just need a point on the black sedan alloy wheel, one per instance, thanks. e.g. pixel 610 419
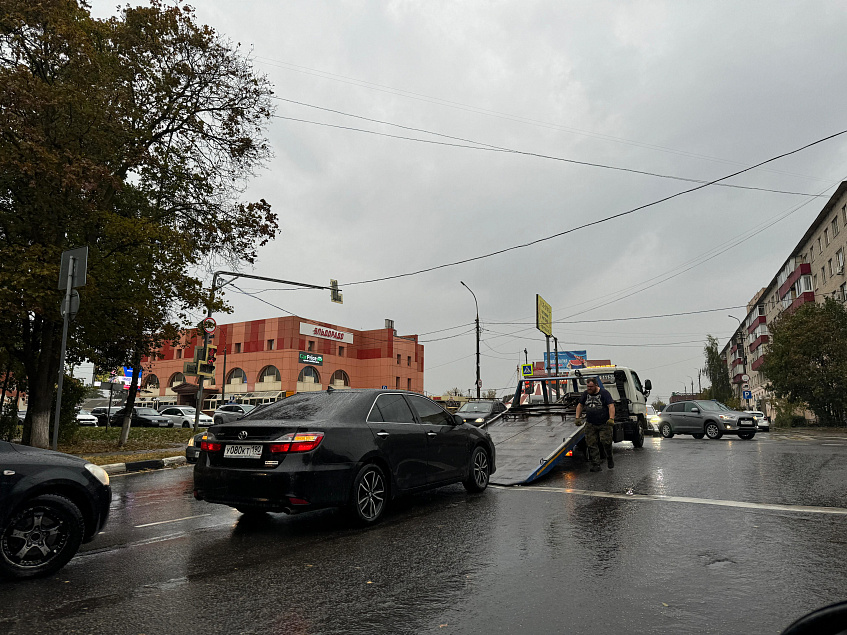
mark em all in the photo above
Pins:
pixel 41 537
pixel 477 480
pixel 369 494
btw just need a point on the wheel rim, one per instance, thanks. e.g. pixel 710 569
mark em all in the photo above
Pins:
pixel 370 495
pixel 480 469
pixel 35 537
pixel 666 430
pixel 711 430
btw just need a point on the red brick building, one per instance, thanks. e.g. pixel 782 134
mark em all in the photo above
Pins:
pixel 266 359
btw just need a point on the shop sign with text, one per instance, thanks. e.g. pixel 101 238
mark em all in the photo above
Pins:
pixel 324 332
pixel 311 358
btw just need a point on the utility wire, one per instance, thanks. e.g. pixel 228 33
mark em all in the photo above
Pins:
pixel 495 148
pixel 636 317
pixel 601 220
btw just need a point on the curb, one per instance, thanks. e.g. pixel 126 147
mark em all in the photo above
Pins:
pixel 137 466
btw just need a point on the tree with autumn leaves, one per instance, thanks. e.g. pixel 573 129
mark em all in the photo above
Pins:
pixel 134 136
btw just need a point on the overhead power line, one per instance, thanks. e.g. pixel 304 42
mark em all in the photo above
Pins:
pixel 637 317
pixel 600 220
pixel 494 113
pixel 478 145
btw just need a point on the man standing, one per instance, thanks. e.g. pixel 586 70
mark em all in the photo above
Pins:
pixel 600 412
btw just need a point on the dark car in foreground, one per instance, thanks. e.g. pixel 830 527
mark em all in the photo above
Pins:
pixel 705 418
pixel 478 412
pixel 50 503
pixel 357 449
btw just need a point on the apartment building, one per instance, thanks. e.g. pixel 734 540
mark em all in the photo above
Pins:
pixel 812 272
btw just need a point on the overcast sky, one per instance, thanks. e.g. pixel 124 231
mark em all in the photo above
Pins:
pixel 694 89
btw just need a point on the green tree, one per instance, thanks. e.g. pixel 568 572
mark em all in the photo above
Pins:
pixel 658 404
pixel 717 372
pixel 134 136
pixel 806 361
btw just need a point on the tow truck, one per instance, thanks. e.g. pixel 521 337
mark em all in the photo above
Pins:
pixel 537 432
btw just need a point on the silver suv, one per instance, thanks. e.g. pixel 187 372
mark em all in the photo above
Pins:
pixel 231 412
pixel 705 418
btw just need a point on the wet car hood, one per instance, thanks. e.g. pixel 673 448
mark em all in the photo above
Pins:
pixel 48 455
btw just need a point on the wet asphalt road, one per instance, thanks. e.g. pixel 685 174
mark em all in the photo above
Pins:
pixel 744 537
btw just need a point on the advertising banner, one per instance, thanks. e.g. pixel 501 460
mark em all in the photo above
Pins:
pixel 567 359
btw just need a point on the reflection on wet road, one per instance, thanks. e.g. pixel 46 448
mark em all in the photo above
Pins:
pixel 683 536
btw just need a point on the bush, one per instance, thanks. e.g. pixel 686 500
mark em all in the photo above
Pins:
pixel 73 394
pixel 9 421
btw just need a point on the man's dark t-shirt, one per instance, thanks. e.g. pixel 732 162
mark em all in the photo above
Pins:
pixel 596 407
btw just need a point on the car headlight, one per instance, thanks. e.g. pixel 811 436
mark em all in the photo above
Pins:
pixel 727 417
pixel 479 420
pixel 98 472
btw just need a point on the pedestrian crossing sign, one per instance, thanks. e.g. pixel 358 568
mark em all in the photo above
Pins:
pixel 526 370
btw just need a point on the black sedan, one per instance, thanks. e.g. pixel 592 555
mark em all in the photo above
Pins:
pixel 357 449
pixel 141 416
pixel 50 503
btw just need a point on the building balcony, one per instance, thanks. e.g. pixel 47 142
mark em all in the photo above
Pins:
pixel 803 298
pixel 762 339
pixel 758 363
pixel 738 379
pixel 733 349
pixel 737 362
pixel 755 323
pixel 802 269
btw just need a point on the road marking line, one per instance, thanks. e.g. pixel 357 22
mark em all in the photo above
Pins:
pixel 837 511
pixel 175 520
pixel 838 444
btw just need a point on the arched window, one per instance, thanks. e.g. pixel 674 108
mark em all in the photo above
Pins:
pixel 176 380
pixel 236 376
pixel 151 381
pixel 309 376
pixel 340 378
pixel 268 374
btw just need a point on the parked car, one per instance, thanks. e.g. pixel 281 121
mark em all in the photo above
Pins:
pixel 103 413
pixel 762 422
pixel 183 417
pixel 478 412
pixel 85 418
pixel 705 418
pixel 141 416
pixel 21 416
pixel 231 412
pixel 50 503
pixel 192 450
pixel 354 448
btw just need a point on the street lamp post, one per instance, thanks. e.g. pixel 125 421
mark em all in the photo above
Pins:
pixel 478 382
pixel 692 383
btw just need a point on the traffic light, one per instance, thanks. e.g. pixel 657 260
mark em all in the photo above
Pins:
pixel 334 293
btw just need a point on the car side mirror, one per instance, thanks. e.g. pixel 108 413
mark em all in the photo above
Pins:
pixel 697 410
pixel 457 420
pixel 648 384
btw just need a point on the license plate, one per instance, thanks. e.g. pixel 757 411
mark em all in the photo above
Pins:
pixel 238 451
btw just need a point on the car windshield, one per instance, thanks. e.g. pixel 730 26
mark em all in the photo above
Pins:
pixel 188 411
pixel 147 412
pixel 84 412
pixel 477 407
pixel 711 406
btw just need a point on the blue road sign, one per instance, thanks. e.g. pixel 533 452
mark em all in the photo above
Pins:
pixel 747 394
pixel 385 387
pixel 526 370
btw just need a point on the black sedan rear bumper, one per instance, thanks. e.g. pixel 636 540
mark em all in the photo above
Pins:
pixel 294 485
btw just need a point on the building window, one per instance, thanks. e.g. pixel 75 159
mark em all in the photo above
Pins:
pixel 839 258
pixel 269 373
pixel 844 214
pixel 820 247
pixel 236 377
pixel 237 348
pixel 179 353
pixel 340 378
pixel 826 236
pixel 844 292
pixel 176 380
pixel 341 351
pixel 311 347
pixel 823 275
pixel 409 384
pixel 309 376
pixel 831 270
pixel 398 359
pixel 397 383
pixel 151 381
pixel 408 360
pixel 270 345
pixel 835 227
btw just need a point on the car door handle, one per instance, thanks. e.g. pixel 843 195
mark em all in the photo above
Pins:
pixel 382 434
pixel 432 434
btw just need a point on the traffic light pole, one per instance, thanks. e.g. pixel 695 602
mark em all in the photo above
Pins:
pixel 333 289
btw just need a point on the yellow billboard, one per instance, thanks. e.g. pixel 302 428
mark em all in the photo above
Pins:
pixel 543 316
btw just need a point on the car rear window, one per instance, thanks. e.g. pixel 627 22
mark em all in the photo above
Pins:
pixel 307 406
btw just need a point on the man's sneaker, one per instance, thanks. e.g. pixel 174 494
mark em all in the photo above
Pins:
pixel 595 468
pixel 611 462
